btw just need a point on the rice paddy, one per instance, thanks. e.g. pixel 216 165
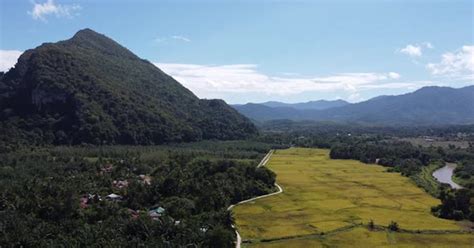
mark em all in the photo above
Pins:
pixel 330 202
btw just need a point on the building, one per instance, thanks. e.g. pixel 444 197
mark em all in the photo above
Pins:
pixel 155 213
pixel 114 197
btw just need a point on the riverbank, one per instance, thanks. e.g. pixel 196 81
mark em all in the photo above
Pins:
pixel 424 179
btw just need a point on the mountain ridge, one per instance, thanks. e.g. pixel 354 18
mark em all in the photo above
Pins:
pixel 319 104
pixel 431 105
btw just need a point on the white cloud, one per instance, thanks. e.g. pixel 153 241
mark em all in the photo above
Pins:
pixel 8 59
pixel 41 10
pixel 181 38
pixel 428 45
pixel 412 50
pixel 394 75
pixel 415 50
pixel 210 81
pixel 173 37
pixel 458 64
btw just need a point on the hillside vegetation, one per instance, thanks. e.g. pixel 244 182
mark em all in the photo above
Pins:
pixel 90 89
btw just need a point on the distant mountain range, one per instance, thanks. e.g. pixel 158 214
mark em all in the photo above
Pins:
pixel 426 106
pixel 90 89
pixel 321 104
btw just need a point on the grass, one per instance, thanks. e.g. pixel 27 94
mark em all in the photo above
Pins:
pixel 426 180
pixel 362 237
pixel 328 202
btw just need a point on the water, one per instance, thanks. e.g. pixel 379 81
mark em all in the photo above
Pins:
pixel 445 175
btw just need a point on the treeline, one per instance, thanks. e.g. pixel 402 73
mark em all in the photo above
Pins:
pixel 327 127
pixel 58 197
pixel 459 204
pixel 455 204
pixel 464 172
pixel 398 155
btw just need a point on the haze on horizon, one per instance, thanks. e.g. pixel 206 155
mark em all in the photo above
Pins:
pixel 257 51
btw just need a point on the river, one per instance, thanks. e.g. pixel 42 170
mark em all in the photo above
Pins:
pixel 445 175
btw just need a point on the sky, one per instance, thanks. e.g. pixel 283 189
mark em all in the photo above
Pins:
pixel 256 51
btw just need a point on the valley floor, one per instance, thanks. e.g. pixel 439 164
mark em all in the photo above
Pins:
pixel 330 203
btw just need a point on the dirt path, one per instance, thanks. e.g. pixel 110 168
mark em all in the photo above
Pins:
pixel 280 190
pixel 265 159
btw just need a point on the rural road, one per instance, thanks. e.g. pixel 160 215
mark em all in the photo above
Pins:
pixel 280 190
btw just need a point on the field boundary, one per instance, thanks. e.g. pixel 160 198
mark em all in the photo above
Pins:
pixel 376 228
pixel 263 162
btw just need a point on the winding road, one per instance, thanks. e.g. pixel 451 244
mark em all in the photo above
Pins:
pixel 280 190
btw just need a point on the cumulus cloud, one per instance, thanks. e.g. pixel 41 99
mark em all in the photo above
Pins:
pixel 411 50
pixel 209 81
pixel 458 64
pixel 8 59
pixel 41 10
pixel 415 50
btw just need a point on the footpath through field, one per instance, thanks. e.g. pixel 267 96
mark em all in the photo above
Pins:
pixel 280 190
pixel 330 203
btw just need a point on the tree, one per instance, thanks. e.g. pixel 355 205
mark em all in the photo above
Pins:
pixel 371 225
pixel 219 237
pixel 393 226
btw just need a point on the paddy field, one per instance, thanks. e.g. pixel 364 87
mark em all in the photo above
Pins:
pixel 329 203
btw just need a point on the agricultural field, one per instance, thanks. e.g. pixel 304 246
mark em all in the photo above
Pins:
pixel 330 203
pixel 437 142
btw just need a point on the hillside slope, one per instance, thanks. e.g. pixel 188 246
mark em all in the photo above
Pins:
pixel 90 89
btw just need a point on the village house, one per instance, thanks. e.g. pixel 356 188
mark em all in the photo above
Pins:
pixel 120 184
pixel 145 179
pixel 87 199
pixel 114 197
pixel 134 213
pixel 155 213
pixel 107 168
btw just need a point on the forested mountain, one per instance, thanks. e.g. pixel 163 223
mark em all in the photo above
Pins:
pixel 426 106
pixel 273 110
pixel 259 112
pixel 320 104
pixel 90 89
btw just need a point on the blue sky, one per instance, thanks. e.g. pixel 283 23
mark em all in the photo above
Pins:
pixel 253 51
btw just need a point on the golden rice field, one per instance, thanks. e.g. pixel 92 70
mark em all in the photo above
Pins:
pixel 325 201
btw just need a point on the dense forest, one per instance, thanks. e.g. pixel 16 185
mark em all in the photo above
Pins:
pixel 89 89
pixel 174 195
